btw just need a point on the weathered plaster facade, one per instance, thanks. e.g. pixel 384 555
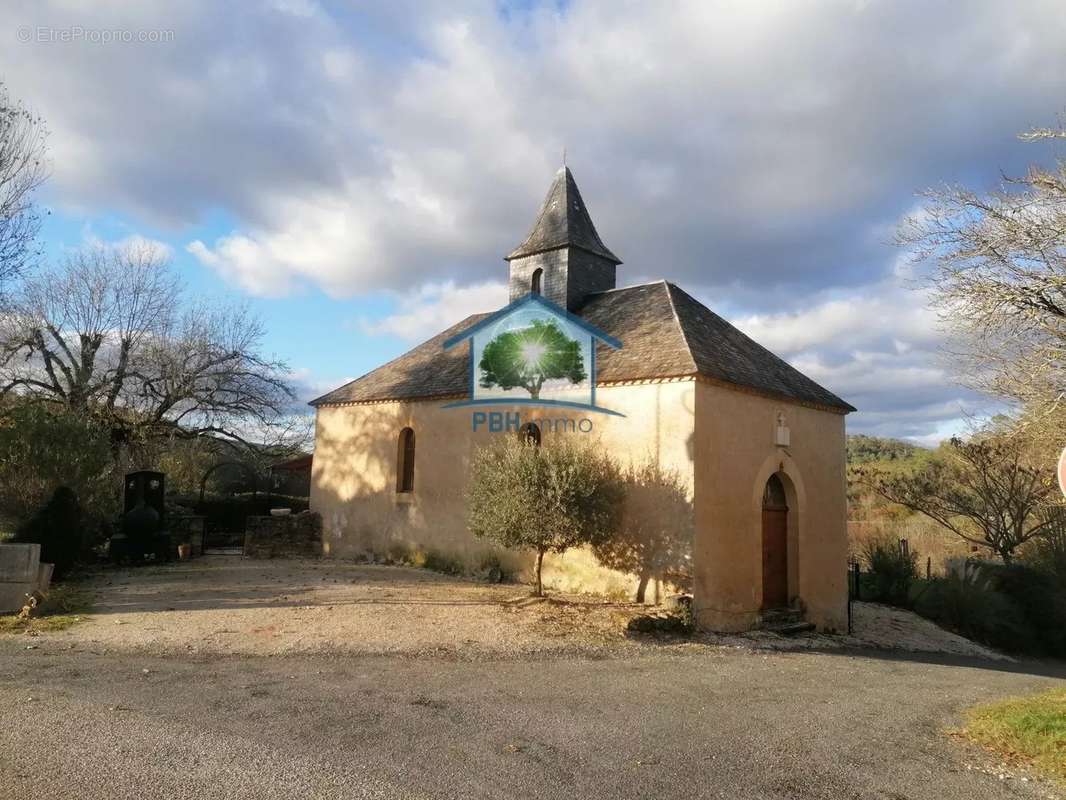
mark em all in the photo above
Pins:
pixel 720 440
pixel 354 475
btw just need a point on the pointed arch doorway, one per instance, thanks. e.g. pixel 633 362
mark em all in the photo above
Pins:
pixel 774 544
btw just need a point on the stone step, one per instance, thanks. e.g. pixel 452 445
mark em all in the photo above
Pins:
pixel 790 628
pixel 780 616
pixel 785 622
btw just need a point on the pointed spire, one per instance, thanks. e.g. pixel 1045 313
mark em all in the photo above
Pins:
pixel 563 222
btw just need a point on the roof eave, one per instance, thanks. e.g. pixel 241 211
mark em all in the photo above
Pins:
pixel 522 252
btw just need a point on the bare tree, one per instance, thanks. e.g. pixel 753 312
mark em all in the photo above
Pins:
pixel 22 169
pixel 983 491
pixel 999 279
pixel 105 334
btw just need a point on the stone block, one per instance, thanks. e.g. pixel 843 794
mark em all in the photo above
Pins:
pixel 18 562
pixel 20 568
pixel 44 577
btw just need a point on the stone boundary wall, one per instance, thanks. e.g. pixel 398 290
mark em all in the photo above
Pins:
pixel 294 536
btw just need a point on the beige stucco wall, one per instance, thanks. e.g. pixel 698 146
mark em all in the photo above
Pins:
pixel 735 455
pixel 719 439
pixel 354 479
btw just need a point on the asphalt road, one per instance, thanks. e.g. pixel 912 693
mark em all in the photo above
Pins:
pixel 731 725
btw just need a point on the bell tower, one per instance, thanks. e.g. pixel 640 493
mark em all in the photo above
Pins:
pixel 563 258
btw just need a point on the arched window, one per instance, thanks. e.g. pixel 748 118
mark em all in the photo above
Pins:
pixel 405 461
pixel 534 285
pixel 774 495
pixel 529 434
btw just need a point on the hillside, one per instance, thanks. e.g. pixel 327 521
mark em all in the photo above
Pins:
pixel 863 449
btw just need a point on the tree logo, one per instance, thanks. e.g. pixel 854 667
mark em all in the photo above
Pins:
pixel 533 352
pixel 530 356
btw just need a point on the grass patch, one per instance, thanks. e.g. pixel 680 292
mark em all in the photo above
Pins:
pixel 65 605
pixel 1028 729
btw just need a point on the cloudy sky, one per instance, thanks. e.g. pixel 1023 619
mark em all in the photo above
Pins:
pixel 357 171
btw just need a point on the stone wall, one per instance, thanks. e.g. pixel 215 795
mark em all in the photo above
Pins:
pixel 293 536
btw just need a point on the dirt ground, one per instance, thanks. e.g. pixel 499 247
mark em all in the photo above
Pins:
pixel 232 605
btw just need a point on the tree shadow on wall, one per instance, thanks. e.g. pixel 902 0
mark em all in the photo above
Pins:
pixel 654 541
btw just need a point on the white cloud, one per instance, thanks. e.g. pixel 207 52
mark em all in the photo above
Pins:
pixel 435 307
pixel 880 349
pixel 727 145
pixel 757 153
pixel 886 313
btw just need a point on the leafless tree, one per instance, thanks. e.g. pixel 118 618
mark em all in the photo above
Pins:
pixel 999 279
pixel 22 169
pixel 107 334
pixel 983 491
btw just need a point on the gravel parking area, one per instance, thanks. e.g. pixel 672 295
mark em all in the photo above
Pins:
pixel 228 605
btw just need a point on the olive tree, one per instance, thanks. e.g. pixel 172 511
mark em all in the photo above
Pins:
pixel 654 537
pixel 544 499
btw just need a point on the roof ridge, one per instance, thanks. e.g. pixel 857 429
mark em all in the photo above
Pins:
pixel 624 288
pixel 750 342
pixel 680 325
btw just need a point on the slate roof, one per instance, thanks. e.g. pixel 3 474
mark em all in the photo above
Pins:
pixel 665 333
pixel 563 221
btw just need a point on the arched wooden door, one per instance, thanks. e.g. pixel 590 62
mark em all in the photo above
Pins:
pixel 774 545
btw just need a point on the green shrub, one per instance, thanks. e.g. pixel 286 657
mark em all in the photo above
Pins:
pixel 42 448
pixel 492 568
pixel 442 562
pixel 58 528
pixel 890 571
pixel 966 603
pixel 401 554
pixel 1041 600
pixel 1047 554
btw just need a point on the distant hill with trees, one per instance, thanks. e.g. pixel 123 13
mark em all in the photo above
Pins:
pixel 863 449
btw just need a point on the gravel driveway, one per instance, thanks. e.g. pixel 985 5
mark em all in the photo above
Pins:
pixel 232 678
pixel 735 724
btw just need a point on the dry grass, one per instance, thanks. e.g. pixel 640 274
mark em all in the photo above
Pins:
pixel 927 539
pixel 1030 730
pixel 65 605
